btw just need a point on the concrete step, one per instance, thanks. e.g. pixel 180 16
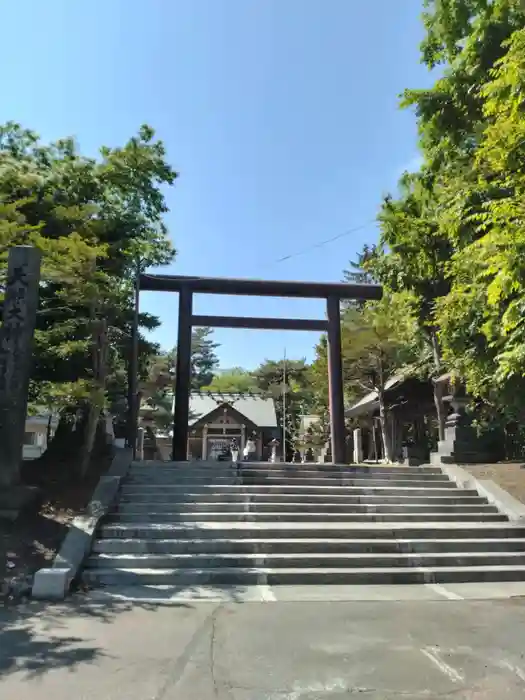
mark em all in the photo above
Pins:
pixel 293 507
pixel 152 500
pixel 169 475
pixel 305 545
pixel 322 467
pixel 302 576
pixel 366 468
pixel 219 491
pixel 172 480
pixel 307 560
pixel 393 475
pixel 269 466
pixel 291 473
pixel 183 479
pixel 431 530
pixel 319 517
pixel 225 470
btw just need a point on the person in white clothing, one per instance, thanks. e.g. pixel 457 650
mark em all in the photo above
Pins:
pixel 234 449
pixel 249 450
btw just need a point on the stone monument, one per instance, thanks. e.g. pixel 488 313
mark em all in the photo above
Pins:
pixel 461 445
pixel 16 351
pixel 358 446
pixel 274 444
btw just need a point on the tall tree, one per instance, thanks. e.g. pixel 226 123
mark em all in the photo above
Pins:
pixel 291 378
pixel 204 360
pixel 412 256
pixel 482 326
pixel 157 387
pixel 452 236
pixel 378 340
pixel 113 205
pixel 235 379
pixel 466 37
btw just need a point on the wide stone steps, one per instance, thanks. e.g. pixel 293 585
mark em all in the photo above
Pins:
pixel 214 524
pixel 237 530
pixel 305 479
pixel 306 560
pixel 221 468
pixel 321 517
pixel 222 490
pixel 255 507
pixel 302 576
pixel 151 501
pixel 137 546
pixel 291 481
pixel 291 505
pixel 174 475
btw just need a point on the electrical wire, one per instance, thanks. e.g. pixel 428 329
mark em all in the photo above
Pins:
pixel 321 244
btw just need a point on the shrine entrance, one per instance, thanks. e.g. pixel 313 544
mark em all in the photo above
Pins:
pixel 186 287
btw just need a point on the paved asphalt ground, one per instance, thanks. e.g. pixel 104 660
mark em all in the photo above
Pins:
pixel 91 649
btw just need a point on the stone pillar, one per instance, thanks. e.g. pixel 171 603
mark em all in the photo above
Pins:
pixel 140 443
pixel 205 441
pixel 274 444
pixel 243 439
pixel 335 380
pixel 182 377
pixel 16 350
pixel 358 446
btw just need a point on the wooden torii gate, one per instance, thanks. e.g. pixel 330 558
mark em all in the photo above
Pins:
pixel 188 286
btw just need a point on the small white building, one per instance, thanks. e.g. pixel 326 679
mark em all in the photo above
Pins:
pixel 35 434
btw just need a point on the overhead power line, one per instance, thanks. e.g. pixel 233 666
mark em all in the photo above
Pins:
pixel 321 244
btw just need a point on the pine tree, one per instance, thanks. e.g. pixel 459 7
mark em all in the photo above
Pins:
pixel 204 360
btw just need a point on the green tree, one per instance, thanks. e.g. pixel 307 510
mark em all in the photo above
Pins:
pixel 482 319
pixel 467 37
pixel 452 236
pixel 235 379
pixel 94 219
pixel 412 257
pixel 378 340
pixel 290 377
pixel 204 360
pixel 157 387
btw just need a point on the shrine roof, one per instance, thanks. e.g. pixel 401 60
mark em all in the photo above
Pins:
pixel 369 403
pixel 258 409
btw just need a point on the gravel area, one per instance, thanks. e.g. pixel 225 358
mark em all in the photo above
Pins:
pixel 509 475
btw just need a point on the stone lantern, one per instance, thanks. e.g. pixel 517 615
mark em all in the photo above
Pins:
pixel 462 444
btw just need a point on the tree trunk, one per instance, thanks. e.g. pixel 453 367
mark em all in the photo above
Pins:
pixel 374 439
pixel 131 405
pixel 99 356
pixel 383 421
pixel 89 437
pixel 438 389
pixel 48 429
pixel 440 409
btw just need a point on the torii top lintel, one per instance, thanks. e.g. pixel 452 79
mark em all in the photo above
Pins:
pixel 251 287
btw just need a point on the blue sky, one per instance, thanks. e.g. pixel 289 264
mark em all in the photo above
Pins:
pixel 280 115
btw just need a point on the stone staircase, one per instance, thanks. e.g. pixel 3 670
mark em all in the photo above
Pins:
pixel 201 524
